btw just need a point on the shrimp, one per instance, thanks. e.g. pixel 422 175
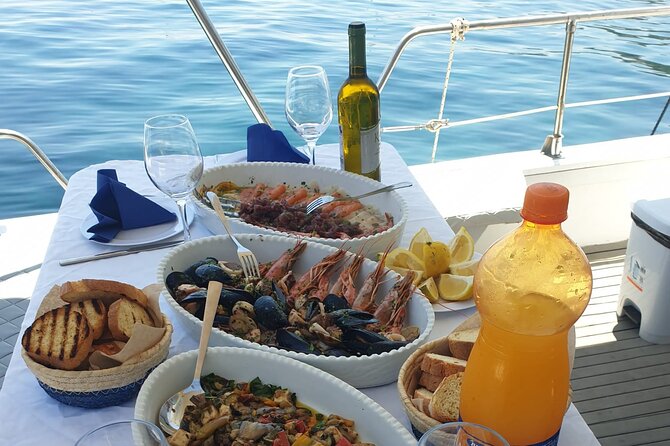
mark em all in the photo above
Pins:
pixel 348 208
pixel 276 191
pixel 314 279
pixel 297 196
pixel 282 266
pixel 365 299
pixel 344 286
pixel 392 309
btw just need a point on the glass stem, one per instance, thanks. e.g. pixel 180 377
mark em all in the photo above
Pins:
pixel 181 203
pixel 311 145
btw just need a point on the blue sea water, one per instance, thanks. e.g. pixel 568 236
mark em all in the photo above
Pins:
pixel 80 77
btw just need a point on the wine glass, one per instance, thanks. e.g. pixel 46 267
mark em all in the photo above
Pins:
pixel 308 106
pixel 124 432
pixel 172 159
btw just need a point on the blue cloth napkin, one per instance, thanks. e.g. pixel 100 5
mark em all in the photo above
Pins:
pixel 265 144
pixel 117 208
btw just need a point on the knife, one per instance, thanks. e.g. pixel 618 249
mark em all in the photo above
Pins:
pixel 122 252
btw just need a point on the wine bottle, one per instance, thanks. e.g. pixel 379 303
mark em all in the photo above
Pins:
pixel 358 112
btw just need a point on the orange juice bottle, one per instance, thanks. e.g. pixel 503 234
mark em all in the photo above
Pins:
pixel 531 286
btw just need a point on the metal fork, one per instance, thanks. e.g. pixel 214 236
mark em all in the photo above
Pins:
pixel 325 199
pixel 247 258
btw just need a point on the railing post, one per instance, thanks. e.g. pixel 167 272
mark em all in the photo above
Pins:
pixel 228 61
pixel 35 150
pixel 553 143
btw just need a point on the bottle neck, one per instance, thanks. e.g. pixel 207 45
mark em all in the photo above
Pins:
pixel 357 63
pixel 530 224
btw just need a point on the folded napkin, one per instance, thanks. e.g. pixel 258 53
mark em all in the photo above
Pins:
pixel 265 144
pixel 117 207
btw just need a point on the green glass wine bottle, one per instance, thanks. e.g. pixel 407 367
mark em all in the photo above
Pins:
pixel 358 112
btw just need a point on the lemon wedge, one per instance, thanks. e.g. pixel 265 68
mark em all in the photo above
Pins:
pixel 454 287
pixel 436 257
pixel 418 277
pixel 429 289
pixel 462 246
pixel 416 245
pixel 466 268
pixel 404 258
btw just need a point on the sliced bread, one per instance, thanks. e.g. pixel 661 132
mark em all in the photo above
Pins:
pixel 461 342
pixel 444 404
pixel 421 404
pixel 430 381
pixel 96 315
pixel 107 290
pixel 122 316
pixel 441 365
pixel 60 338
pixel 421 392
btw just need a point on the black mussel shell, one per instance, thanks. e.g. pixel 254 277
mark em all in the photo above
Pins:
pixel 198 297
pixel 279 294
pixel 207 272
pixel 191 269
pixel 348 318
pixel 333 302
pixel 211 260
pixel 294 342
pixel 269 313
pixel 176 278
pixel 221 320
pixel 312 308
pixel 230 296
pixel 365 342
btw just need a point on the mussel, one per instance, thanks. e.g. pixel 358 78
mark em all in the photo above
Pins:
pixel 348 318
pixel 333 302
pixel 208 272
pixel 366 342
pixel 191 269
pixel 230 296
pixel 269 313
pixel 174 279
pixel 294 342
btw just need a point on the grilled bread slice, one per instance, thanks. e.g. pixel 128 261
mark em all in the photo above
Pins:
pixel 122 316
pixel 441 365
pixel 444 404
pixel 96 315
pixel 461 342
pixel 60 338
pixel 107 290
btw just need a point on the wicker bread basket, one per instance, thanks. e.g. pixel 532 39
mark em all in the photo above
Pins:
pixel 408 377
pixel 98 388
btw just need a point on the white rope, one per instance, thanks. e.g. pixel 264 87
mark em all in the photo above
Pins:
pixel 459 26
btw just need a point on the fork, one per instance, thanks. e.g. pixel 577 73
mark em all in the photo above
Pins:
pixel 247 258
pixel 325 199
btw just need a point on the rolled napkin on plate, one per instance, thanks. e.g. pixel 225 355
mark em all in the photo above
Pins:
pixel 118 208
pixel 265 144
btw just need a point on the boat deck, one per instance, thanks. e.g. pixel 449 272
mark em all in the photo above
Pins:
pixel 621 384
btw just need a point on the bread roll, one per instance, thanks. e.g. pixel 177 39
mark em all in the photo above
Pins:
pixel 444 404
pixel 96 315
pixel 107 290
pixel 60 338
pixel 122 316
pixel 441 365
pixel 461 342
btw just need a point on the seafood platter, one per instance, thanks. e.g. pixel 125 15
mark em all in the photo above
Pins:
pixel 325 306
pixel 262 398
pixel 270 198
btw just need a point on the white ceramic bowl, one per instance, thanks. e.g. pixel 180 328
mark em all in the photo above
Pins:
pixel 359 371
pixel 317 389
pixel 244 174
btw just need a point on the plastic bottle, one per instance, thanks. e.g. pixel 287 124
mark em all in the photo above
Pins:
pixel 531 286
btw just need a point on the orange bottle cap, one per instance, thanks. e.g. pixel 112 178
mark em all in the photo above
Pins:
pixel 546 203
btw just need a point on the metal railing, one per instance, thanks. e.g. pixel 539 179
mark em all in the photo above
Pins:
pixel 39 154
pixel 553 142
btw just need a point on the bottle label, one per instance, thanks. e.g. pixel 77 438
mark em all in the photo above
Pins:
pixel 370 149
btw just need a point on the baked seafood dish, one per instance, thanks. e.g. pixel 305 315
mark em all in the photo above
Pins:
pixel 282 207
pixel 233 413
pixel 320 312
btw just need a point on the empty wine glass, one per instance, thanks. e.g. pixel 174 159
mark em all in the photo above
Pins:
pixel 172 159
pixel 124 432
pixel 308 104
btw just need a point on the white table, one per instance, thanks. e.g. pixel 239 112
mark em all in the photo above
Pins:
pixel 29 417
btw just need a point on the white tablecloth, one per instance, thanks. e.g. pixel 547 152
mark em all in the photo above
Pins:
pixel 29 417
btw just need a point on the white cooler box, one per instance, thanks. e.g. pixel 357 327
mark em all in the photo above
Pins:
pixel 645 283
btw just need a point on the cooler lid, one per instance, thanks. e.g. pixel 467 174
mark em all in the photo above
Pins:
pixel 655 213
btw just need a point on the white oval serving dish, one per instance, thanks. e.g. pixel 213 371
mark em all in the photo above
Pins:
pixel 293 174
pixel 359 371
pixel 313 387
